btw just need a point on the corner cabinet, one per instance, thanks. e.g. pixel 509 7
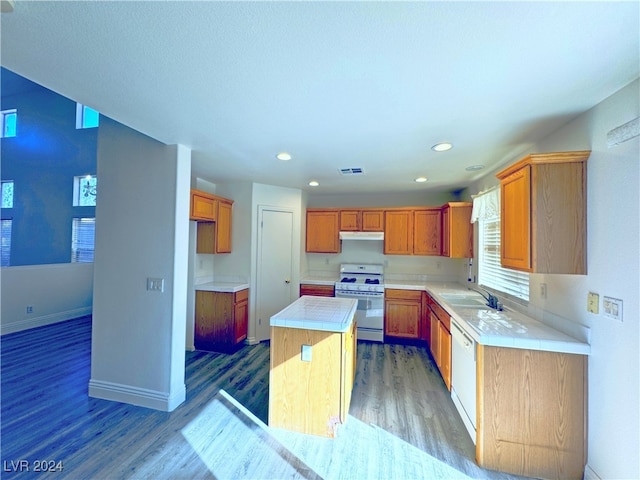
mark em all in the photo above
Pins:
pixel 543 213
pixel 402 313
pixel 214 216
pixel 457 230
pixel 322 231
pixel 221 320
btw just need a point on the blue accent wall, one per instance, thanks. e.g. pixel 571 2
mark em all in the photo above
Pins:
pixel 42 160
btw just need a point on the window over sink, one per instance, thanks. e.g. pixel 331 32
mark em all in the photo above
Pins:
pixel 486 206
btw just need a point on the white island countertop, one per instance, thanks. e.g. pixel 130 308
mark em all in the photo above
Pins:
pixel 329 314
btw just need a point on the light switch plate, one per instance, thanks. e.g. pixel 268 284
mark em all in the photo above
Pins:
pixel 593 301
pixel 612 308
pixel 305 356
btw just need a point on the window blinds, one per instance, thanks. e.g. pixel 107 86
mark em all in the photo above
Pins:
pixel 82 239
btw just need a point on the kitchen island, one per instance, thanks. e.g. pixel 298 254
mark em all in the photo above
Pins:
pixel 312 365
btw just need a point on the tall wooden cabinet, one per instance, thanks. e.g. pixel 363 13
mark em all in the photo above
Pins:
pixel 221 320
pixel 543 213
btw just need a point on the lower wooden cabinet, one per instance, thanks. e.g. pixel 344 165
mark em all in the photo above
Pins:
pixel 402 313
pixel 221 320
pixel 317 290
pixel 440 345
pixel 532 417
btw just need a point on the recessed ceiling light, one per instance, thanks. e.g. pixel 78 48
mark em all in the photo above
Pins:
pixel 313 183
pixel 421 179
pixel 283 156
pixel 442 147
pixel 472 168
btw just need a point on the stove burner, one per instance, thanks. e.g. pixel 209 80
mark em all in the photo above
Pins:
pixel 372 281
pixel 348 280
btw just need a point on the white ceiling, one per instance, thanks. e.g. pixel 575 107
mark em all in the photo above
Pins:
pixel 336 84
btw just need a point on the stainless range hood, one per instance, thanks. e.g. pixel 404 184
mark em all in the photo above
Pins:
pixel 361 235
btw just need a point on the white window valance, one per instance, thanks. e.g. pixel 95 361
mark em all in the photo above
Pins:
pixel 486 205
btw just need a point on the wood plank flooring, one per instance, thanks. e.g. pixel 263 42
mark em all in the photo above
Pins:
pixel 402 423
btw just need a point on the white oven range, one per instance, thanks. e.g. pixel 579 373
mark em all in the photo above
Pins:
pixel 364 282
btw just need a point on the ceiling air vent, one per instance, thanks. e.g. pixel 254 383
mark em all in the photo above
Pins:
pixel 352 171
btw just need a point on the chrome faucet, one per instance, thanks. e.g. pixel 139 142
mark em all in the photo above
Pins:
pixel 492 300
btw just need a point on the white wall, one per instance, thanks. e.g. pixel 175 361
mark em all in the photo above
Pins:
pixel 142 231
pixel 57 292
pixel 613 262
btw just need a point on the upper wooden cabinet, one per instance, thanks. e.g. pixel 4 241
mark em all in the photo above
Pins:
pixel 543 213
pixel 203 206
pixel 361 220
pixel 426 231
pixel 398 232
pixel 322 231
pixel 214 215
pixel 457 230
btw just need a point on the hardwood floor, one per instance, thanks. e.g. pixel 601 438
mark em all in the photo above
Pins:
pixel 402 423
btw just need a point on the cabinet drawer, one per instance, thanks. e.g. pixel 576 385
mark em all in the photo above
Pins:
pixel 398 294
pixel 442 315
pixel 241 295
pixel 316 290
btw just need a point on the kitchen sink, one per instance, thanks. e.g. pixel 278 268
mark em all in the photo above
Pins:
pixel 464 301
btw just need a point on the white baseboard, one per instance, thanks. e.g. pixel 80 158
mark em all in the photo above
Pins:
pixel 43 320
pixel 589 474
pixel 137 396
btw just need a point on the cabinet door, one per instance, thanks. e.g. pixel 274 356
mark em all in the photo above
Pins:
pixel 322 232
pixel 202 207
pixel 435 337
pixel 223 228
pixel 398 232
pixel 426 232
pixel 372 221
pixel 446 232
pixel 444 354
pixel 425 327
pixel 241 314
pixel 403 313
pixel 214 328
pixel 515 221
pixel 350 220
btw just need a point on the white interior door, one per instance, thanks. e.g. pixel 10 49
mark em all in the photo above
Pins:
pixel 275 266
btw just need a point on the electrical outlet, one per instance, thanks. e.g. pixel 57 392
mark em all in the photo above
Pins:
pixel 593 301
pixel 29 308
pixel 543 290
pixel 155 284
pixel 612 308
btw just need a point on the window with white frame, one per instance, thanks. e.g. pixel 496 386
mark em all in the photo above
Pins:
pixel 7 194
pixel 86 117
pixel 85 190
pixel 83 239
pixel 9 122
pixel 5 242
pixel 486 211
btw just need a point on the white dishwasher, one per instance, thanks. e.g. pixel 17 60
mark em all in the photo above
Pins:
pixel 463 376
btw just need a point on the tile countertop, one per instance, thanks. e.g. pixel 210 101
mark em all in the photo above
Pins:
pixel 507 328
pixel 223 287
pixel 329 314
